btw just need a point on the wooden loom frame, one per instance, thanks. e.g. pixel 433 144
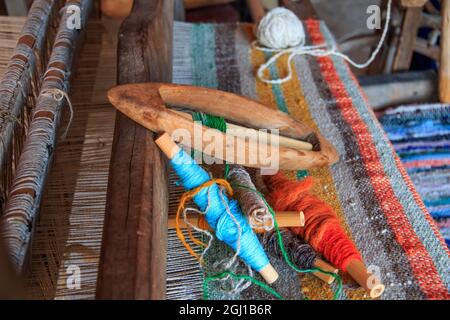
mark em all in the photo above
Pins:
pixel 134 248
pixel 33 47
pixel 408 43
pixel 22 207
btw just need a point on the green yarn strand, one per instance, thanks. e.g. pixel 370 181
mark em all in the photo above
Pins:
pixel 211 121
pixel 222 275
pixel 214 122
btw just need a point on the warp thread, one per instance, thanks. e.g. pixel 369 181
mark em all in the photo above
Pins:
pixel 222 214
pixel 251 203
pixel 281 32
pixel 322 229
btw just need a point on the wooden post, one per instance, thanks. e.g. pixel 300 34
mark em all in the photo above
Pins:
pixel 411 24
pixel 133 259
pixel 444 70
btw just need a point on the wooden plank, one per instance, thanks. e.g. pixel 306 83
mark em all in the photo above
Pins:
pixel 133 259
pixel 444 69
pixel 411 24
pixel 302 8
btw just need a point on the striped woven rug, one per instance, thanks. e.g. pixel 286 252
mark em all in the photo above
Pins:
pixel 368 188
pixel 421 136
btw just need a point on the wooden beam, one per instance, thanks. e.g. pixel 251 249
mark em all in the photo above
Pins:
pixel 400 88
pixel 302 8
pixel 405 50
pixel 444 69
pixel 133 259
pixel 423 47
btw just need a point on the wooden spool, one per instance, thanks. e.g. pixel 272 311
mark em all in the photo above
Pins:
pixel 170 149
pixel 145 103
pixel 285 219
pixel 358 271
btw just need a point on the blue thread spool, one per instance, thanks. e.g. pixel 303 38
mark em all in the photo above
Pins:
pixel 209 199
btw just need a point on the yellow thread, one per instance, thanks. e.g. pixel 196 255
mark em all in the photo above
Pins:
pixel 185 198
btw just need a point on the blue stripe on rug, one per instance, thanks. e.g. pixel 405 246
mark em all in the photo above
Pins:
pixel 418 133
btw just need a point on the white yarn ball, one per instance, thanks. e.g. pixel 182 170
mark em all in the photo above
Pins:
pixel 280 29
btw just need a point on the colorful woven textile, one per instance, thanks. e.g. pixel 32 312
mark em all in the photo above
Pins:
pixel 421 136
pixel 369 189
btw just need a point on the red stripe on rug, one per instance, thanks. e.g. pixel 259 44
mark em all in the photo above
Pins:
pixel 421 263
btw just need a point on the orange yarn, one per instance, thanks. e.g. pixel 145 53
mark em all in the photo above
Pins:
pixel 322 229
pixel 185 198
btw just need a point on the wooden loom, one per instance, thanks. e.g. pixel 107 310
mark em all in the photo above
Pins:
pixel 145 290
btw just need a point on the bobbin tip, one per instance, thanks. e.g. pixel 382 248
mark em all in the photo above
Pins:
pixel 165 142
pixel 302 219
pixel 365 279
pixel 269 274
pixel 324 266
pixel 377 291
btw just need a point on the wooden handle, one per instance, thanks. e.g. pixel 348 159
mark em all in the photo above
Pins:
pixel 444 69
pixel 319 263
pixel 285 219
pixel 269 274
pixel 167 145
pixel 357 270
pixel 243 132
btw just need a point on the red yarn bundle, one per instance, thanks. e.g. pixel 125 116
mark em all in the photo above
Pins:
pixel 322 229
